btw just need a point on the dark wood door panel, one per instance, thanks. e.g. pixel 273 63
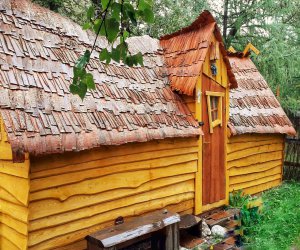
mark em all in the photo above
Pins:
pixel 213 149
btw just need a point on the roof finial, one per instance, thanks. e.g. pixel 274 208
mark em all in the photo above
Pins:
pixel 231 49
pixel 250 47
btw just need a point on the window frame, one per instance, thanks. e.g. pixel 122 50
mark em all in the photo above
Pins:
pixel 218 121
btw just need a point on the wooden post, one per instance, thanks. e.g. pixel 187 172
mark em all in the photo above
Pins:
pixel 198 178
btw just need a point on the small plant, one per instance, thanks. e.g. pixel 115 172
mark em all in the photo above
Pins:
pixel 238 199
pixel 249 212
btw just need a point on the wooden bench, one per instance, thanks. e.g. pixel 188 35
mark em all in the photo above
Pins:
pixel 158 230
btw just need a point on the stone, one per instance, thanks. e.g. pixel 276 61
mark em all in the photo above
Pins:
pixel 218 230
pixel 205 229
pixel 183 248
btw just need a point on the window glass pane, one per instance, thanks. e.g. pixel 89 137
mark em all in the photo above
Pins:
pixel 214 101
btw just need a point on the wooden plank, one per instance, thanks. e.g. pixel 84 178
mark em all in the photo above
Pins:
pixel 100 170
pixel 254 151
pixel 255 159
pixel 8 197
pixel 19 240
pixel 132 229
pixel 39 236
pixel 227 101
pixel 37 208
pixel 60 160
pixel 15 169
pixel 238 146
pixel 198 176
pixel 7 244
pixel 17 212
pixel 253 176
pixel 255 168
pixel 78 245
pixel 213 205
pixel 114 181
pixel 5 151
pixel 257 182
pixel 111 161
pixel 17 187
pixel 262 187
pixel 254 137
pixel 19 226
pixel 224 77
pixel 97 209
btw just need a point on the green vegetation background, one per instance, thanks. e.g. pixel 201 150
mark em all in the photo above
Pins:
pixel 279 226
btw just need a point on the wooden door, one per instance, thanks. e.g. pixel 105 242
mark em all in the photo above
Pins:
pixel 214 116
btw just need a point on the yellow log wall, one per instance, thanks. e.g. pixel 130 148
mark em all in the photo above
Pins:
pixel 254 162
pixel 74 194
pixel 14 193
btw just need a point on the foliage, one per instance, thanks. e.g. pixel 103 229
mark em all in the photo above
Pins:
pixel 279 226
pixel 111 19
pixel 74 9
pixel 273 27
pixel 171 16
pixel 237 199
pixel 249 214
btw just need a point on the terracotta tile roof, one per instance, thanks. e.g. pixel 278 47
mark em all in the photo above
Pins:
pixel 185 52
pixel 253 106
pixel 38 49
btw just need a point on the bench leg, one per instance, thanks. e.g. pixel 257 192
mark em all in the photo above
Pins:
pixel 172 237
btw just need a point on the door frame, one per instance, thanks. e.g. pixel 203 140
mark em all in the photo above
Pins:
pixel 199 98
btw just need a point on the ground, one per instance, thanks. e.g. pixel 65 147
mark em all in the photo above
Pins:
pixel 279 227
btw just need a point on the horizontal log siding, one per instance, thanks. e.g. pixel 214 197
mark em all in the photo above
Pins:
pixel 14 192
pixel 254 162
pixel 74 194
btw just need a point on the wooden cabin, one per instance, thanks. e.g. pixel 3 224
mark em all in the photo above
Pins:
pixel 69 167
pixel 257 128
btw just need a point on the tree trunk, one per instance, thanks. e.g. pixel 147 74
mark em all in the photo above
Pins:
pixel 225 21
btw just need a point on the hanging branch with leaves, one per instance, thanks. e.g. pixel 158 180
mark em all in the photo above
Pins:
pixel 111 19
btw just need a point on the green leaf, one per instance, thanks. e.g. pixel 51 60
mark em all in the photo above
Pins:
pixel 130 13
pixel 129 61
pixel 112 27
pixel 104 4
pixel 90 12
pixel 123 48
pixel 89 81
pixel 143 4
pixel 98 24
pixel 148 16
pixel 78 74
pixel 115 11
pixel 87 26
pixel 74 89
pixel 83 60
pixel 82 89
pixel 125 34
pixel 104 55
pixel 116 54
pixel 79 89
pixel 139 58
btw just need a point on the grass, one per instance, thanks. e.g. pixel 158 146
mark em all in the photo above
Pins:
pixel 279 225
